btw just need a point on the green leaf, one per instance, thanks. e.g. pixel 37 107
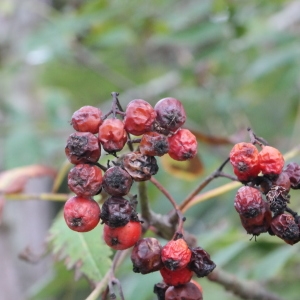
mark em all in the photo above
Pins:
pixel 86 252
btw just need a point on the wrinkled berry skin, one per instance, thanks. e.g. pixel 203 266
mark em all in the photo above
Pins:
pixel 278 199
pixel 188 291
pixel 146 256
pixel 170 114
pixel 177 277
pixel 82 147
pixel 139 117
pixel 293 172
pixel 285 227
pixel 85 180
pixel 160 290
pixel 182 145
pixel 154 144
pixel 140 167
pixel 117 181
pixel 124 237
pixel 244 160
pixel 200 262
pixel 176 254
pixel 81 214
pixel 271 161
pixel 87 119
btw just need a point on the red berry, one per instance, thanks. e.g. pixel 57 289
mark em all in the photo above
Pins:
pixel 244 160
pixel 293 171
pixel 82 147
pixel 182 145
pixel 139 117
pixel 176 254
pixel 271 161
pixel 188 291
pixel 112 135
pixel 170 115
pixel 85 180
pixel 81 214
pixel 154 144
pixel 87 119
pixel 177 277
pixel 124 237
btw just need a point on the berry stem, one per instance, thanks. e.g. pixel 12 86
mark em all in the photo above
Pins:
pixel 256 139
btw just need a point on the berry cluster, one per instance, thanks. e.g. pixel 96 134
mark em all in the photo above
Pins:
pixel 262 203
pixel 177 263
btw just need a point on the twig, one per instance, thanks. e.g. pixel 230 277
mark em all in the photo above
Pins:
pixel 144 202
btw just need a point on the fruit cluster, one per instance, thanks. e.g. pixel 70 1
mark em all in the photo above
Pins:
pixel 262 203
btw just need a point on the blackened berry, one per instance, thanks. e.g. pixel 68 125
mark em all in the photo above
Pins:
pixel 160 290
pixel 154 144
pixel 278 199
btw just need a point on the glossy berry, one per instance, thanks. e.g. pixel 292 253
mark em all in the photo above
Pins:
pixel 244 160
pixel 146 256
pixel 160 290
pixel 140 167
pixel 87 119
pixel 271 161
pixel 200 262
pixel 176 254
pixel 112 135
pixel 139 117
pixel 82 147
pixel 85 180
pixel 117 181
pixel 285 227
pixel 293 172
pixel 154 144
pixel 124 237
pixel 177 277
pixel 117 212
pixel 170 114
pixel 81 214
pixel 188 291
pixel 182 145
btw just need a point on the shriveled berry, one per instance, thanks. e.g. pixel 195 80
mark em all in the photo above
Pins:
pixel 82 147
pixel 81 214
pixel 140 167
pixel 146 256
pixel 176 254
pixel 117 181
pixel 200 262
pixel 188 291
pixel 271 160
pixel 244 160
pixel 154 144
pixel 285 227
pixel 293 171
pixel 278 199
pixel 124 237
pixel 182 145
pixel 112 135
pixel 87 119
pixel 177 277
pixel 139 117
pixel 170 114
pixel 117 212
pixel 160 290
pixel 282 180
pixel 85 180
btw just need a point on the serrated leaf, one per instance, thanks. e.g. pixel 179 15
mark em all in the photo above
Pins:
pixel 85 252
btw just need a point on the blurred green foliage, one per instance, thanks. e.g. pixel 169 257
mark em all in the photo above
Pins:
pixel 233 64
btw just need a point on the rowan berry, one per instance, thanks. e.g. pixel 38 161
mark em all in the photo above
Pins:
pixel 140 167
pixel 282 180
pixel 177 277
pixel 124 237
pixel 87 119
pixel 154 144
pixel 278 199
pixel 85 180
pixel 187 291
pixel 117 181
pixel 244 160
pixel 293 171
pixel 112 135
pixel 146 256
pixel 81 214
pixel 160 290
pixel 176 254
pixel 271 161
pixel 170 114
pixel 182 145
pixel 285 227
pixel 82 147
pixel 139 117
